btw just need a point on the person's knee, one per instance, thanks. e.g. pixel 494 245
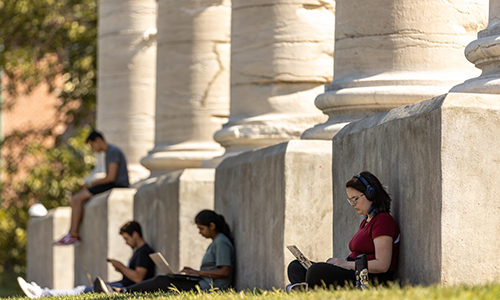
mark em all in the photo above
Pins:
pixel 80 198
pixel 316 275
pixel 294 267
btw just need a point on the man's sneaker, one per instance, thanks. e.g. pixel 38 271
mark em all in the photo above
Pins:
pixel 301 286
pixel 67 240
pixel 32 290
pixel 101 287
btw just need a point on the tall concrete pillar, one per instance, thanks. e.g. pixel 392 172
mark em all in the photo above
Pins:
pixel 127 76
pixel 281 56
pixel 484 53
pixel 390 53
pixel 192 82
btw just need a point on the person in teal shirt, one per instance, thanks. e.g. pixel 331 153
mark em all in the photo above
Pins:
pixel 216 271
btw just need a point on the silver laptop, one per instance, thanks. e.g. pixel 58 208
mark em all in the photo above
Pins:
pixel 304 261
pixel 161 263
pixel 165 268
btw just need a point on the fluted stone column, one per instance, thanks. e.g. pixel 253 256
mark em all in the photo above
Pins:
pixel 192 82
pixel 484 53
pixel 127 75
pixel 281 56
pixel 390 53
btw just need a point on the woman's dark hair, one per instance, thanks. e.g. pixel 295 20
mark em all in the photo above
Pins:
pixel 205 217
pixel 380 198
pixel 130 227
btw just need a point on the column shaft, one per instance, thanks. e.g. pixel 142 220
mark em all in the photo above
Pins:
pixel 390 53
pixel 484 53
pixel 192 82
pixel 127 75
pixel 281 56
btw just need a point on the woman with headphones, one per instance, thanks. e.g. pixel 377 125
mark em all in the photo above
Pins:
pixel 377 238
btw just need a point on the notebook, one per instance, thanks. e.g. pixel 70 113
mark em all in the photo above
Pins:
pixel 304 261
pixel 165 268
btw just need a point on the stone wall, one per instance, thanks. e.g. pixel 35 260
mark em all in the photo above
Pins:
pixel 439 161
pixel 166 206
pixel 48 265
pixel 100 232
pixel 273 197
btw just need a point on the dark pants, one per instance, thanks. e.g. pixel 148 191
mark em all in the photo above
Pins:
pixel 162 283
pixel 320 274
pixel 104 187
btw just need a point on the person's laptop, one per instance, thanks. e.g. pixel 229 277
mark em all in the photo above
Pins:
pixel 89 277
pixel 304 261
pixel 165 268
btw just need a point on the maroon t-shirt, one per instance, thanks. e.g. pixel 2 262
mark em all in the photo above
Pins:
pixel 362 241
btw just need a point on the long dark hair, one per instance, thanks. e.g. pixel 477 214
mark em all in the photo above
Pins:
pixel 205 217
pixel 380 198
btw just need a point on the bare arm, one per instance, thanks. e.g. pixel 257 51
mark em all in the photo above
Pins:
pixel 110 176
pixel 221 271
pixel 383 255
pixel 136 275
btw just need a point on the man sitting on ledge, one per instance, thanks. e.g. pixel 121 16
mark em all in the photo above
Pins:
pixel 140 267
pixel 116 177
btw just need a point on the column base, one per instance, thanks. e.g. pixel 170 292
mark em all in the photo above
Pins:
pixel 49 265
pixel 164 160
pixel 166 206
pixel 273 197
pixel 103 216
pixel 351 104
pixel 439 161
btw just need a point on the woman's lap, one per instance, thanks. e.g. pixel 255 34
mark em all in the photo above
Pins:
pixel 320 274
pixel 162 283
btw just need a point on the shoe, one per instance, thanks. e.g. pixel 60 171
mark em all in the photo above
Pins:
pixel 298 287
pixel 67 240
pixel 101 287
pixel 32 290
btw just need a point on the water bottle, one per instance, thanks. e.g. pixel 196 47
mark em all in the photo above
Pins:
pixel 361 267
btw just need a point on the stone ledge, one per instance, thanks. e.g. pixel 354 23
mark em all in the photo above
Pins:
pixel 274 197
pixel 439 159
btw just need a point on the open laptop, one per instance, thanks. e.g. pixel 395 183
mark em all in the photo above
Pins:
pixel 304 261
pixel 165 268
pixel 89 277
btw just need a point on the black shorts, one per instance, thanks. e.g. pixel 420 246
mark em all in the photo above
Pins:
pixel 104 187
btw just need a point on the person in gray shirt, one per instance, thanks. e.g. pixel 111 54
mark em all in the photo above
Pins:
pixel 217 266
pixel 116 177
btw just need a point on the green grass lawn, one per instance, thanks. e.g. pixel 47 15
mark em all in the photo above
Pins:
pixel 488 291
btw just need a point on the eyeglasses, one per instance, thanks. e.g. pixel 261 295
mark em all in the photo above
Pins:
pixel 354 200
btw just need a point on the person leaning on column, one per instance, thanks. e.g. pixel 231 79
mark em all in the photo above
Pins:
pixel 377 238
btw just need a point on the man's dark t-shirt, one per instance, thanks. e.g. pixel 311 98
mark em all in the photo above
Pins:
pixel 140 259
pixel 115 155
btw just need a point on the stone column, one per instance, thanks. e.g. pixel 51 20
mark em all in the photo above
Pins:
pixel 127 76
pixel 192 82
pixel 484 53
pixel 390 53
pixel 281 56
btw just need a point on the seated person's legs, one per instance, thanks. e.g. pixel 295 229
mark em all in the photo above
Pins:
pixel 320 274
pixel 162 283
pixel 296 272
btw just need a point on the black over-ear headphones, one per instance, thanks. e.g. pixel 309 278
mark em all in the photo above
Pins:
pixel 370 190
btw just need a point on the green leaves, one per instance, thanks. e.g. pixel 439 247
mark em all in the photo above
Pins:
pixel 42 39
pixel 52 42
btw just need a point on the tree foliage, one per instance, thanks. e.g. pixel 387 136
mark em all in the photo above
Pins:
pixel 49 42
pixel 43 39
